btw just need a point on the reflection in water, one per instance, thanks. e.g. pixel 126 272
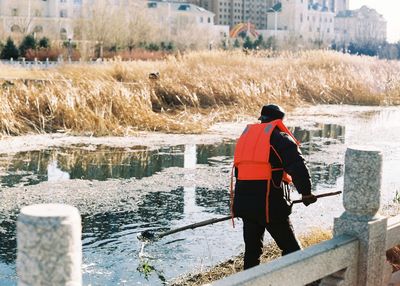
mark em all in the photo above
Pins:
pixel 313 141
pixel 326 174
pixel 190 161
pixel 29 168
pixel 8 242
pixel 56 174
pixel 214 201
pixel 102 163
pixel 109 239
pixel 323 134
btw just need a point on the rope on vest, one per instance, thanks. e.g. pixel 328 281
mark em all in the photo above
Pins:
pixel 232 197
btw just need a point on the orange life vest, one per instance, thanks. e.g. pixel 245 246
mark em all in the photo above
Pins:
pixel 252 152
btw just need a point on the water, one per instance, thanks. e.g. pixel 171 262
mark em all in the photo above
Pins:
pixel 103 163
pixel 112 253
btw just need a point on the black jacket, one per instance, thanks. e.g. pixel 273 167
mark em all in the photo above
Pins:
pixel 250 196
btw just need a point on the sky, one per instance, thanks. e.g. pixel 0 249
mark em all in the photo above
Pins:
pixel 389 9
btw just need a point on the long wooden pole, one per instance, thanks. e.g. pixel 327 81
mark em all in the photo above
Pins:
pixel 151 236
pixel 194 225
pixel 319 196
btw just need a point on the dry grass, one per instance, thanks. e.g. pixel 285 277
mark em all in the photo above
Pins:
pixel 393 256
pixel 193 91
pixel 234 265
pixel 270 252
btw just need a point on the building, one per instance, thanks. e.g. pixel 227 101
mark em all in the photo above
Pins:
pixel 334 6
pixel 97 20
pixel 362 26
pixel 41 17
pixel 307 23
pixel 300 23
pixel 234 12
pixel 188 22
pixel 178 15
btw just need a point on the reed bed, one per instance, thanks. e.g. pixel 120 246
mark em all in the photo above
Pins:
pixel 190 91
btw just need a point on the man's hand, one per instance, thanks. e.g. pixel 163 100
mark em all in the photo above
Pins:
pixel 308 199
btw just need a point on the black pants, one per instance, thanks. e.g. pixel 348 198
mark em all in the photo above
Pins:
pixel 253 233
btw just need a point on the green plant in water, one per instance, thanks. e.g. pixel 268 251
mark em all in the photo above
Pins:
pixel 146 269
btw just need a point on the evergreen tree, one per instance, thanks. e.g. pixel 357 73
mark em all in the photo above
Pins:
pixel 27 43
pixel 44 43
pixel 271 43
pixel 163 46
pixel 153 47
pixel 248 44
pixel 259 42
pixel 243 34
pixel 10 50
pixel 170 46
pixel 236 43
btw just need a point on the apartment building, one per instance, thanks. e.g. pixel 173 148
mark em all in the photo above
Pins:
pixel 233 12
pixel 334 6
pixel 364 25
pixel 300 23
pixel 306 23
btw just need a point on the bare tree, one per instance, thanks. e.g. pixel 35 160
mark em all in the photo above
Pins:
pixel 116 25
pixel 142 26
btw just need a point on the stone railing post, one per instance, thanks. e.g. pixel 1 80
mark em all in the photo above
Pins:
pixel 361 200
pixel 49 245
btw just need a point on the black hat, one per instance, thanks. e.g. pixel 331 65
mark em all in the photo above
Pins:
pixel 271 112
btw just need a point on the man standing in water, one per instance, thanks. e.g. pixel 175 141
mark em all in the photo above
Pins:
pixel 267 160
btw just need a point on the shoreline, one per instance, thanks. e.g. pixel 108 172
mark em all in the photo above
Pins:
pixel 305 117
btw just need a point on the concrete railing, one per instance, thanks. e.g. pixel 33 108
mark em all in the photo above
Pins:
pixel 50 248
pixel 31 64
pixel 357 253
pixel 49 245
pixel 301 267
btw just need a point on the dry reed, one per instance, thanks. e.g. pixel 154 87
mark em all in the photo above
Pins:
pixel 193 90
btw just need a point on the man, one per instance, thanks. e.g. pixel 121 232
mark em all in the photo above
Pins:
pixel 267 159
